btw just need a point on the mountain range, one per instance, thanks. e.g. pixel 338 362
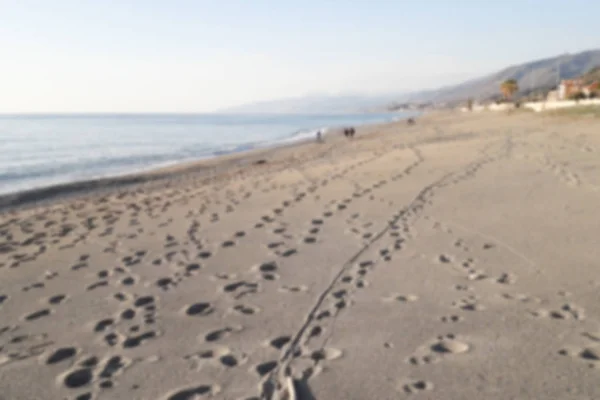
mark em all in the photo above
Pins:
pixel 314 104
pixel 532 76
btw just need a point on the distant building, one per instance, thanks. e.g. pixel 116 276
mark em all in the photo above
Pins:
pixel 552 95
pixel 570 87
pixel 589 89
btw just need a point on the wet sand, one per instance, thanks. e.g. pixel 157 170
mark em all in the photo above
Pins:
pixel 454 259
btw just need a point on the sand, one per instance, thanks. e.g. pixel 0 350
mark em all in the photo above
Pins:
pixel 454 259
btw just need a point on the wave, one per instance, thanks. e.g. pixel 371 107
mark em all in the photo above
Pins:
pixel 296 137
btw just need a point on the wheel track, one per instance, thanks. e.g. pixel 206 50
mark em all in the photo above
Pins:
pixel 277 385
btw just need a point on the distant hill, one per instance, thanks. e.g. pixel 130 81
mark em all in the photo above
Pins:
pixel 591 76
pixel 317 104
pixel 531 76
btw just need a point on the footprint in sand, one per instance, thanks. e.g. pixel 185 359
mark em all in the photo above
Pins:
pixel 567 311
pixel 468 304
pixel 409 298
pixel 194 392
pixel 215 352
pixel 279 342
pixel 191 268
pixel 78 378
pixel 443 346
pixel 416 386
pixel 228 243
pixel 135 341
pixel 327 354
pixel 463 288
pixel 289 253
pixel 113 366
pixel 61 354
pixel 144 301
pixel 445 259
pixel 476 275
pixel 274 245
pixel 594 336
pixel 127 314
pixel 270 266
pixel 222 276
pixel 38 314
pixel 451 318
pixel 241 288
pixel 293 289
pixel 590 354
pixel 506 279
pixel 57 299
pixel 112 339
pixel 449 345
pixel 89 362
pixel 97 285
pixel 103 324
pixel 199 309
pixel 128 281
pixel 265 368
pixel 221 333
pixel 165 283
pixel 361 284
pixel 246 309
pixel 221 355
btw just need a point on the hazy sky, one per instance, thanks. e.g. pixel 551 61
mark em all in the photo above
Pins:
pixel 190 56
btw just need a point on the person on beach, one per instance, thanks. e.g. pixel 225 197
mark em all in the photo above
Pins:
pixel 319 136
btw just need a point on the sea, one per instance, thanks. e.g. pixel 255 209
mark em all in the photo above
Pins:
pixel 44 150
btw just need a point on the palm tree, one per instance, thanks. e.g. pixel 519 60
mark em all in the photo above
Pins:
pixel 508 88
pixel 470 104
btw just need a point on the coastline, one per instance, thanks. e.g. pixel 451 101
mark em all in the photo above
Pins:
pixel 207 168
pixel 120 145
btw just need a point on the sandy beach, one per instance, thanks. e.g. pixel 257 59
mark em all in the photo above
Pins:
pixel 454 259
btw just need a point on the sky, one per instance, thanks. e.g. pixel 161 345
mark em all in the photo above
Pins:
pixel 202 56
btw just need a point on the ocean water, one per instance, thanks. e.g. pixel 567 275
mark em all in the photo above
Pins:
pixel 42 150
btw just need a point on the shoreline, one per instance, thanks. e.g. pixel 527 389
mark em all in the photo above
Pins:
pixel 207 168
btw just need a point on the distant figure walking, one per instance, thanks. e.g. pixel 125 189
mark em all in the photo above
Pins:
pixel 349 132
pixel 319 136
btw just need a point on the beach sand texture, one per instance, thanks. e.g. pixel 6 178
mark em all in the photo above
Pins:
pixel 455 259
